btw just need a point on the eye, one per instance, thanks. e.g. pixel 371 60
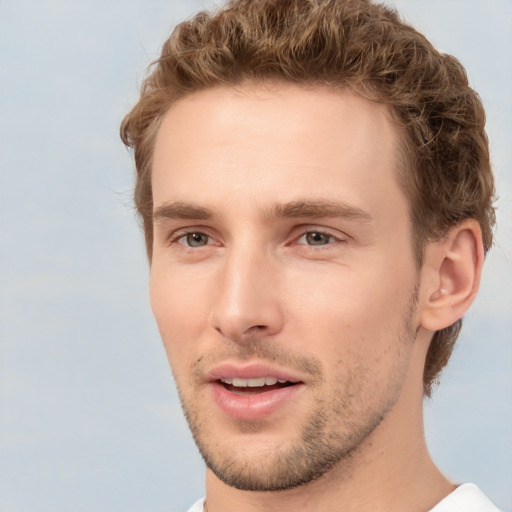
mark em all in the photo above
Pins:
pixel 316 238
pixel 194 239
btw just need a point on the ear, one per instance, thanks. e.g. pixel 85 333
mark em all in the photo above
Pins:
pixel 451 275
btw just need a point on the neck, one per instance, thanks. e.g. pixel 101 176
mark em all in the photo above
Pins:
pixel 390 471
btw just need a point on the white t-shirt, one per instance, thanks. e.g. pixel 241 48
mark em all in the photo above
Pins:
pixel 197 506
pixel 466 498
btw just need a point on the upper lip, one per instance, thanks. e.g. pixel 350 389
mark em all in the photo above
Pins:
pixel 250 370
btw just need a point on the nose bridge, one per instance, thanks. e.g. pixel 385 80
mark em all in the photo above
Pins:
pixel 247 300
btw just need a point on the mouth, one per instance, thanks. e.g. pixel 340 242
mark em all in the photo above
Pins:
pixel 253 391
pixel 254 386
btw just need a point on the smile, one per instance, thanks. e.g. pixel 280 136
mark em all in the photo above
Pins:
pixel 258 382
pixel 252 392
pixel 254 385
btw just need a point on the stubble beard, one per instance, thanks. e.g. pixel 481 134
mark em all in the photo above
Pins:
pixel 330 437
pixel 317 451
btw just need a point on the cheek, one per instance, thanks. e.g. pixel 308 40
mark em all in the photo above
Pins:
pixel 349 316
pixel 177 297
pixel 179 314
pixel 348 299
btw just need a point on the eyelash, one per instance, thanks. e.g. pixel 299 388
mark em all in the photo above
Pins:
pixel 176 237
pixel 181 235
pixel 331 238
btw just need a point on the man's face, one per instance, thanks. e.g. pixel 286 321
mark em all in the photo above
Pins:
pixel 283 279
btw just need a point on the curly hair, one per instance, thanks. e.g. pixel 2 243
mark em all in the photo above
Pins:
pixel 344 44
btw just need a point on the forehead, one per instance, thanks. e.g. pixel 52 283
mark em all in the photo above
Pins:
pixel 257 141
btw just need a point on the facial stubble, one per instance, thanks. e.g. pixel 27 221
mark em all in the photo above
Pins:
pixel 333 431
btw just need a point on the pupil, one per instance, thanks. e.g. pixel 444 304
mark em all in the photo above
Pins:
pixel 316 238
pixel 196 239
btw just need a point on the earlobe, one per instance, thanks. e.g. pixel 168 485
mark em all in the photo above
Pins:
pixel 451 275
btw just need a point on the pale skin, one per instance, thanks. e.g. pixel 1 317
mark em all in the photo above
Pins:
pixel 282 238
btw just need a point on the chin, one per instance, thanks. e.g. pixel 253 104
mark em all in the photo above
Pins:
pixel 280 465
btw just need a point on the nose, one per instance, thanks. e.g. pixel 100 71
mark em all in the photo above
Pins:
pixel 248 301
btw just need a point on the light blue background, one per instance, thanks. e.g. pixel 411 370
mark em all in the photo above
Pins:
pixel 89 419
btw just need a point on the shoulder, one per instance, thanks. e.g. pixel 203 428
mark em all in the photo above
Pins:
pixel 197 506
pixel 466 498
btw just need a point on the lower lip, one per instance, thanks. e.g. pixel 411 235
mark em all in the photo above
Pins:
pixel 252 407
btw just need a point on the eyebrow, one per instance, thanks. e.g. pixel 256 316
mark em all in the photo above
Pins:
pixel 316 209
pixel 292 209
pixel 181 211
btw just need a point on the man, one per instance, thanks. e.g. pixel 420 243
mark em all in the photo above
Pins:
pixel 316 194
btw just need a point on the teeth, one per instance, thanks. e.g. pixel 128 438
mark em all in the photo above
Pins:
pixel 253 383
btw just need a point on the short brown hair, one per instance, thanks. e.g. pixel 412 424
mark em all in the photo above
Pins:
pixel 345 44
